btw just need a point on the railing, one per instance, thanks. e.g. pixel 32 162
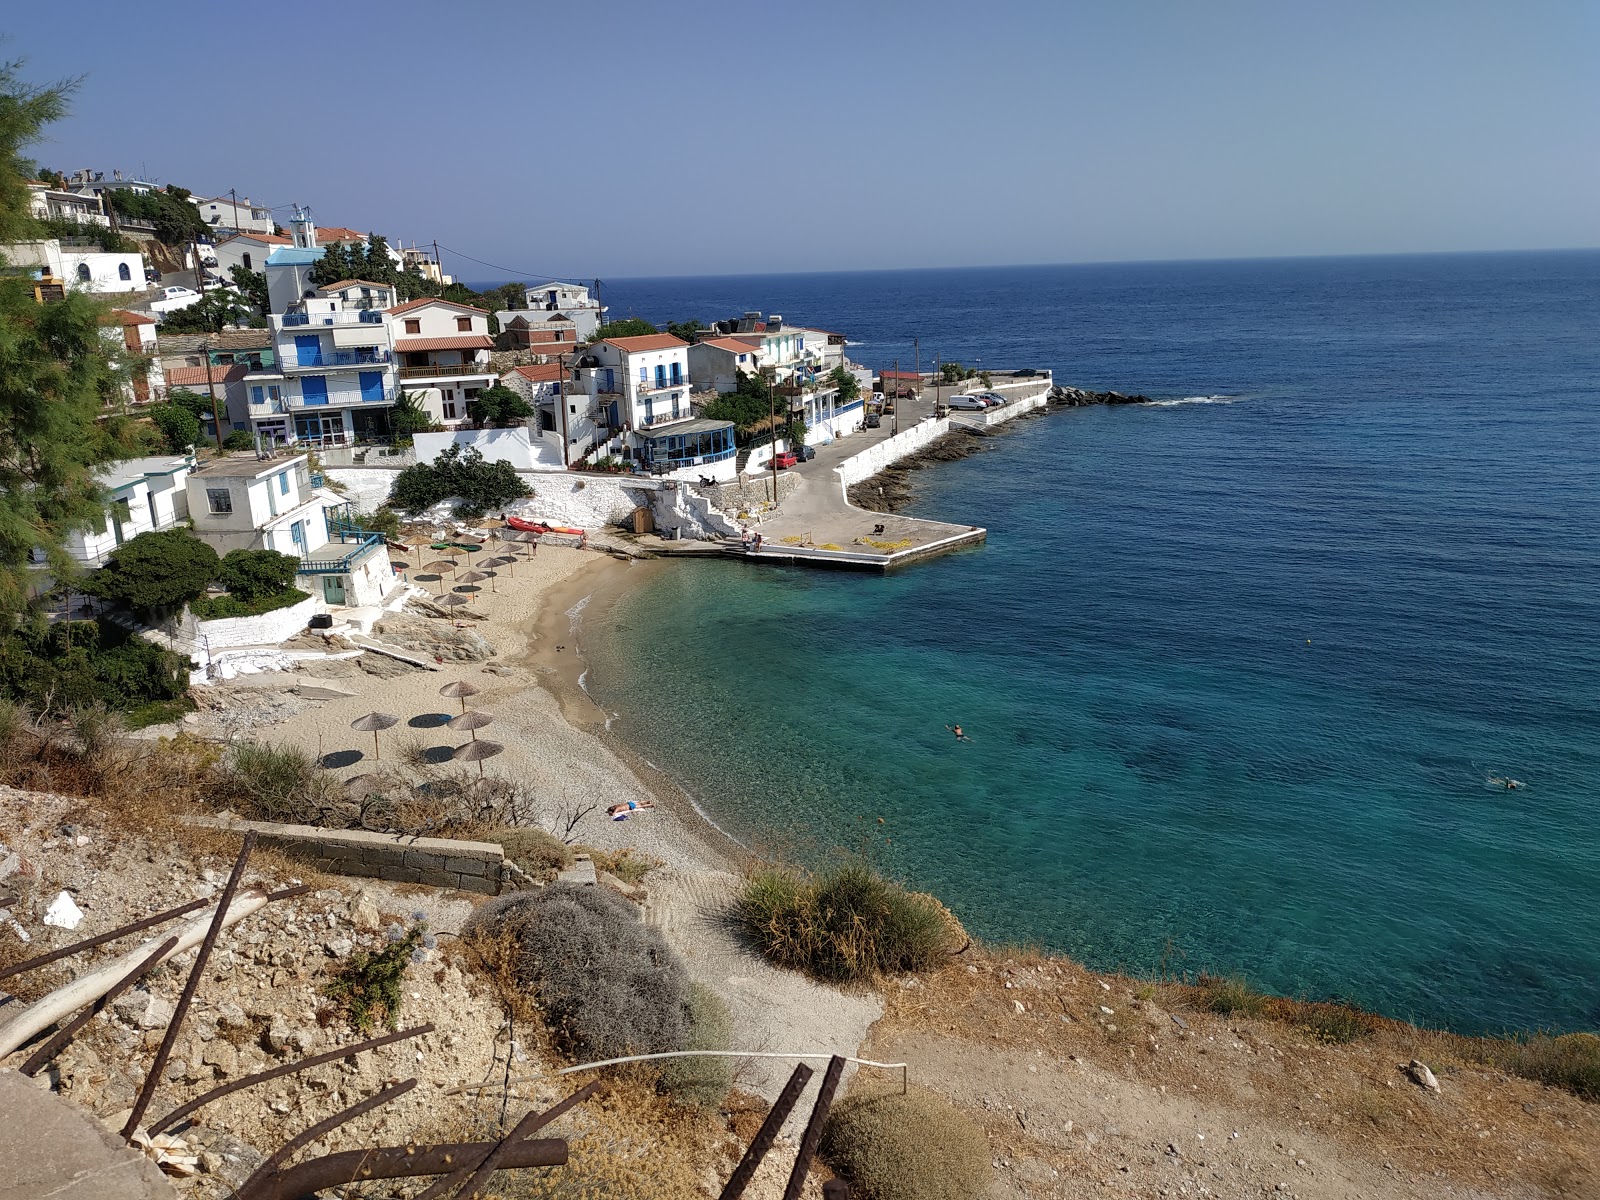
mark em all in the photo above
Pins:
pixel 341 565
pixel 343 358
pixel 662 385
pixel 348 316
pixel 267 405
pixel 451 370
pixel 344 398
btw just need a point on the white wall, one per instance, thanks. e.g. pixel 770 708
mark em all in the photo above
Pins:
pixel 496 445
pixel 268 629
pixel 104 274
pixel 891 450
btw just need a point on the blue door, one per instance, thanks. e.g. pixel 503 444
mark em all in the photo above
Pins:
pixel 661 375
pixel 308 350
pixel 611 381
pixel 314 389
pixel 372 385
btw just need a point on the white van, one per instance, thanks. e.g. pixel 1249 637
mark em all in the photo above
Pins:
pixel 967 402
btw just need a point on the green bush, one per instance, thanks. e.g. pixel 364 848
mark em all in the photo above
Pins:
pixel 179 427
pixel 606 983
pixel 368 987
pixel 155 571
pixel 702 1082
pixel 499 406
pixel 385 521
pixel 1335 1024
pixel 1571 1061
pixel 458 472
pixel 57 667
pixel 252 574
pixel 271 783
pixel 1230 995
pixel 239 439
pixel 213 608
pixel 850 924
pixel 538 852
pixel 912 1147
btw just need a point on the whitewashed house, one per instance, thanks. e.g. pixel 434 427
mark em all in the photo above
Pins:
pixel 571 300
pixel 542 386
pixel 96 271
pixel 47 203
pixel 225 212
pixel 443 355
pixel 136 334
pixel 247 250
pixel 250 504
pixel 717 363
pixel 143 495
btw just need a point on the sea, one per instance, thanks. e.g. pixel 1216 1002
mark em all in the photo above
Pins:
pixel 1243 668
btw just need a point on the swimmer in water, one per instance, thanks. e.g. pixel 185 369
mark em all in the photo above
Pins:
pixel 956 729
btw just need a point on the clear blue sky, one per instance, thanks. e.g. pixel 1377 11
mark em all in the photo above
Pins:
pixel 633 138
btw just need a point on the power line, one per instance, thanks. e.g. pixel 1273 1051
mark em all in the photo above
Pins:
pixel 550 275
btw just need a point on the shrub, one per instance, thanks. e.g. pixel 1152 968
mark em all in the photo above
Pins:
pixel 239 439
pixel 1571 1061
pixel 457 472
pixel 272 783
pixel 850 924
pixel 155 571
pixel 1335 1024
pixel 251 574
pixel 499 406
pixel 1231 994
pixel 179 427
pixel 367 988
pixel 607 984
pixel 384 520
pixel 702 1082
pixel 212 608
pixel 911 1147
pixel 63 666
pixel 537 851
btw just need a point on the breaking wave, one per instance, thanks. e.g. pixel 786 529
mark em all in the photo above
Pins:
pixel 1192 400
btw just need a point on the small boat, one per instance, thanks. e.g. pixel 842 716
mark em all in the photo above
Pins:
pixel 528 526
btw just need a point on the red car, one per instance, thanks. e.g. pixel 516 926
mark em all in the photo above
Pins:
pixel 786 458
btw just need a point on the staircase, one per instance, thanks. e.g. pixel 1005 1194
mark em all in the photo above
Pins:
pixel 742 460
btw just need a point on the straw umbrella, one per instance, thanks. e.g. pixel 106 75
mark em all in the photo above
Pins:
pixel 476 751
pixel 472 720
pixel 373 722
pixel 471 577
pixel 502 561
pixel 452 600
pixel 441 564
pixel 459 690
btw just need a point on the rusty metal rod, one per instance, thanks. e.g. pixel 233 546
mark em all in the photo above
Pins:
pixel 525 1128
pixel 173 1026
pixel 813 1134
pixel 305 1137
pixel 70 1030
pixel 101 940
pixel 399 1162
pixel 289 893
pixel 316 1060
pixel 740 1179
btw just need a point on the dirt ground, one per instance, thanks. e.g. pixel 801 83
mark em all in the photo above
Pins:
pixel 1092 1085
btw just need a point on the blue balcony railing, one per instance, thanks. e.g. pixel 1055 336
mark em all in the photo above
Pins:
pixel 373 357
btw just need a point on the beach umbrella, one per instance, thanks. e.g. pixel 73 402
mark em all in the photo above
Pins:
pixel 459 690
pixel 373 722
pixel 501 561
pixel 472 720
pixel 451 601
pixel 441 564
pixel 476 751
pixel 471 577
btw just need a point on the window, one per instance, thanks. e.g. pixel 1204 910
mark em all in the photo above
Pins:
pixel 413 325
pixel 644 374
pixel 257 396
pixel 123 272
pixel 219 500
pixel 283 484
pixel 449 410
pixel 247 262
pixel 463 324
pixel 83 272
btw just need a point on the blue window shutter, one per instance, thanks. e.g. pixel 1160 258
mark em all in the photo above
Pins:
pixel 372 385
pixel 308 351
pixel 256 396
pixel 283 483
pixel 314 389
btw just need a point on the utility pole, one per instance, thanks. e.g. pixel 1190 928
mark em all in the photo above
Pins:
pixel 234 196
pixel 600 309
pixel 916 345
pixel 938 379
pixel 199 271
pixel 437 265
pixel 211 387
pixel 561 403
pixel 894 422
pixel 772 416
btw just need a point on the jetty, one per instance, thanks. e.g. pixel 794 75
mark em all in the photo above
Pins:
pixel 813 522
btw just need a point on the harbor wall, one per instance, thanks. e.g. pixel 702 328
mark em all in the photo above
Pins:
pixel 889 451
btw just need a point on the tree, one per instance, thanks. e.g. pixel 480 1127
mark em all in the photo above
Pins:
pixel 408 418
pixel 179 427
pixel 177 222
pixel 156 571
pixel 499 406
pixel 749 406
pixel 212 313
pixel 631 327
pixel 458 472
pixel 57 373
pixel 506 296
pixel 252 286
pixel 687 330
pixel 849 386
pixel 256 574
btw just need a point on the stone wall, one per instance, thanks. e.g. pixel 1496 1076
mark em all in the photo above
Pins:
pixel 433 862
pixel 268 629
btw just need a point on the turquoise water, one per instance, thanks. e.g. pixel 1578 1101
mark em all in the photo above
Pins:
pixel 1236 672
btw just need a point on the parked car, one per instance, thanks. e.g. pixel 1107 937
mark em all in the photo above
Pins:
pixel 806 453
pixel 873 420
pixel 785 458
pixel 971 403
pixel 1025 373
pixel 996 397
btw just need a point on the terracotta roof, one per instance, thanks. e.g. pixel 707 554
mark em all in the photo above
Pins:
pixel 344 283
pixel 424 301
pixel 132 318
pixel 650 341
pixel 539 373
pixel 898 375
pixel 196 376
pixel 527 322
pixel 272 239
pixel 338 233
pixel 475 342
pixel 731 345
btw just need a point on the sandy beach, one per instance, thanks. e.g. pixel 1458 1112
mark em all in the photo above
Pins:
pixel 555 737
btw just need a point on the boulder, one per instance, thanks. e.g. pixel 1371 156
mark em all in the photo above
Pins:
pixel 433 639
pixel 1422 1076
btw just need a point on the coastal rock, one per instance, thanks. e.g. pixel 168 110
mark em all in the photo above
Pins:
pixel 1422 1076
pixel 433 639
pixel 1071 397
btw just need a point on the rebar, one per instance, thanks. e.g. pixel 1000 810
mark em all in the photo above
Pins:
pixel 813 1134
pixel 306 1136
pixel 176 1023
pixel 70 1030
pixel 399 1162
pixel 100 940
pixel 740 1179
pixel 529 1124
pixel 316 1060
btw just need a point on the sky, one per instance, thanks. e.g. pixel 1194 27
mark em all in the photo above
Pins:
pixel 635 139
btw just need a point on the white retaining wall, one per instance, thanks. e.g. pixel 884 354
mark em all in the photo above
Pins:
pixel 268 629
pixel 891 450
pixel 365 487
pixel 691 514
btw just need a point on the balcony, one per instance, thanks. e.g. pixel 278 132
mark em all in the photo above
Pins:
pixel 449 371
pixel 663 385
pixel 348 316
pixel 334 359
pixel 343 398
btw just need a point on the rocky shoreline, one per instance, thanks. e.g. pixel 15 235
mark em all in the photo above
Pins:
pixel 1071 397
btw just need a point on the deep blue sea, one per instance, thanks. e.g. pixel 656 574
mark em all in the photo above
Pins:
pixel 1237 667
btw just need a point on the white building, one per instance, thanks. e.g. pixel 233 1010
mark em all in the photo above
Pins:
pixel 47 203
pixel 136 334
pixel 247 250
pixel 542 386
pixel 571 300
pixel 443 353
pixel 85 270
pixel 144 495
pixel 333 380
pixel 225 212
pixel 248 504
pixel 717 363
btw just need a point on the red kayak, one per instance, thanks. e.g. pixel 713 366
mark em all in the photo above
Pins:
pixel 540 527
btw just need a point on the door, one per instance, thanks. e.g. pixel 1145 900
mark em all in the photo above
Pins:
pixel 333 589
pixel 308 350
pixel 314 389
pixel 371 385
pixel 297 535
pixel 611 381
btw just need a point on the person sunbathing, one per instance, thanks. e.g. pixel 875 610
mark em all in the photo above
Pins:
pixel 621 812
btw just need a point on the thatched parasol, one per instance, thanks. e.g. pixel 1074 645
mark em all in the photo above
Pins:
pixel 452 600
pixel 459 690
pixel 441 564
pixel 373 722
pixel 476 751
pixel 502 561
pixel 472 720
